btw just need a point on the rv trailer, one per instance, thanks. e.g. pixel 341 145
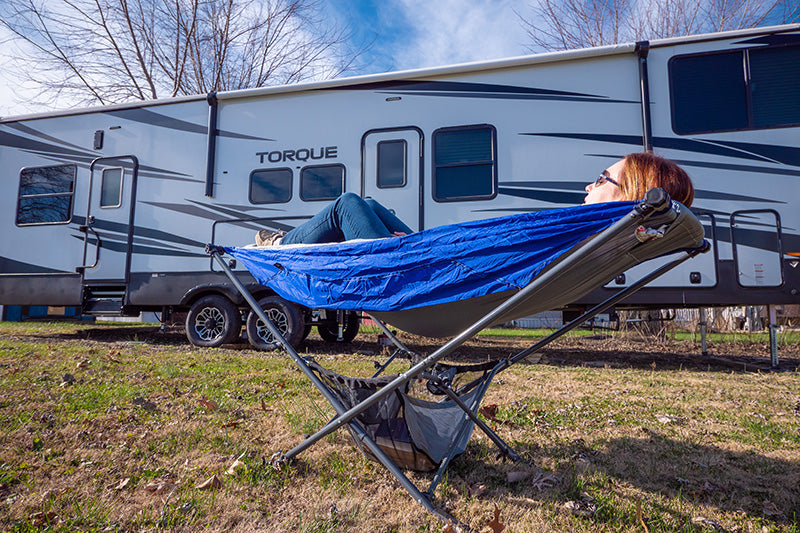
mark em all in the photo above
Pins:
pixel 110 208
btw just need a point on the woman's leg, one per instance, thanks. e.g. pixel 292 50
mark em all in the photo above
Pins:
pixel 389 219
pixel 346 218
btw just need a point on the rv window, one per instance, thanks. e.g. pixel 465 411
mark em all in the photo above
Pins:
pixel 322 182
pixel 743 90
pixel 45 195
pixel 464 163
pixel 111 188
pixel 273 186
pixel 392 164
pixel 775 86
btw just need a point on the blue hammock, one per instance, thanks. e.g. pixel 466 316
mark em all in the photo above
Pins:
pixel 435 266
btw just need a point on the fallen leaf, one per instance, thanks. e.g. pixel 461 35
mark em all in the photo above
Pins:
pixel 231 424
pixel 144 404
pixel 545 481
pixel 489 411
pixel 236 465
pixel 479 490
pixel 211 483
pixel 41 518
pixel 704 522
pixel 495 524
pixel 211 405
pixel 584 508
pixel 667 419
pixel 123 484
pixel 263 406
pixel 84 364
pixel 159 486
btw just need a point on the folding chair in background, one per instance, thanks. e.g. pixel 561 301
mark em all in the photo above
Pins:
pixel 454 281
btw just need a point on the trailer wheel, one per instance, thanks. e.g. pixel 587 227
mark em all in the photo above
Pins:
pixel 213 321
pixel 330 332
pixel 286 316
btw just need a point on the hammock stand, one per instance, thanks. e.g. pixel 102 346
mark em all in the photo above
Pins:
pixel 370 408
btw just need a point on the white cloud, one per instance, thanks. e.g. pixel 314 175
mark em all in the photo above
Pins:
pixel 456 31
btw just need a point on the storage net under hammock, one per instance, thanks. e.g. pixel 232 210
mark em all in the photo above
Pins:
pixel 417 426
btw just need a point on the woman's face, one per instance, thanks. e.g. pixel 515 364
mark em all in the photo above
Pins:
pixel 606 188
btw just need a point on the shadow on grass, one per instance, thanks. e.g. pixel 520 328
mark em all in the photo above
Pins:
pixel 680 477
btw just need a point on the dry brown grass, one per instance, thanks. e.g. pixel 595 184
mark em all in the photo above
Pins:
pixel 642 436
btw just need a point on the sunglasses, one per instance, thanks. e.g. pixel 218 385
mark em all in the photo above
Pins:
pixel 602 179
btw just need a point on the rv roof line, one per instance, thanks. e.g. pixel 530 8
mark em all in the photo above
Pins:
pixel 464 68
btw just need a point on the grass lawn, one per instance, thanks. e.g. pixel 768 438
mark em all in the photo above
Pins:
pixel 122 428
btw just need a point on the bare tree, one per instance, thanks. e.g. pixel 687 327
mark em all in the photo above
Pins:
pixel 568 24
pixel 109 51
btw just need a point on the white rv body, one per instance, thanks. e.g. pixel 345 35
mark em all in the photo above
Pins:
pixel 182 170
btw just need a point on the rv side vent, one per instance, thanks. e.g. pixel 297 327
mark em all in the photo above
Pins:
pixel 98 140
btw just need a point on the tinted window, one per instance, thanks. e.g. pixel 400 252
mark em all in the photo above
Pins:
pixel 322 183
pixel 271 186
pixel 775 86
pixel 464 163
pixel 746 89
pixel 45 194
pixel 111 188
pixel 391 163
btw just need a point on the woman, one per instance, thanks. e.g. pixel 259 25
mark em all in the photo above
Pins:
pixel 351 217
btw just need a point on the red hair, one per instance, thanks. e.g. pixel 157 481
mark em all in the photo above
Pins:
pixel 643 171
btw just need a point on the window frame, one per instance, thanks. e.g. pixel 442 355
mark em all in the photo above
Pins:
pixel 493 162
pixel 744 54
pixel 121 187
pixel 378 163
pixel 70 194
pixel 250 185
pixel 325 199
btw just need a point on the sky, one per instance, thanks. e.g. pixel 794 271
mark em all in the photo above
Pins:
pixel 404 34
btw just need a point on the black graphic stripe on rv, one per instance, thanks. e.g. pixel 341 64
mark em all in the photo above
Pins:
pixel 11 266
pixel 152 118
pixel 781 39
pixel 787 155
pixel 239 215
pixel 58 152
pixel 32 145
pixel 36 133
pixel 457 89
pixel 122 247
pixel 139 231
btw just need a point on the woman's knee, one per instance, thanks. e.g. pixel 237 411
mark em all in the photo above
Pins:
pixel 349 199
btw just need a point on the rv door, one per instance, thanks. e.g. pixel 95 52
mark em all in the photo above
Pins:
pixel 392 170
pixel 109 219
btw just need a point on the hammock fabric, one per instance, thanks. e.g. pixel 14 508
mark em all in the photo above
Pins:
pixel 435 266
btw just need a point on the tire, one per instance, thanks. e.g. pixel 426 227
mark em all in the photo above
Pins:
pixel 330 332
pixel 213 321
pixel 286 316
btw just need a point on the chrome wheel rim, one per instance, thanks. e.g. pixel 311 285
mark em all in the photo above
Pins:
pixel 278 319
pixel 209 324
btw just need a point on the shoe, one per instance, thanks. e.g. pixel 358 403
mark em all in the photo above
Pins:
pixel 269 238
